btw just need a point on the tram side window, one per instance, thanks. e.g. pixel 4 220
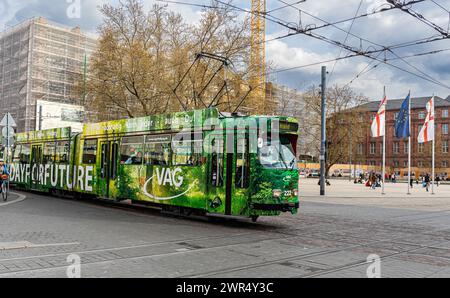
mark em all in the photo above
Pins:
pixel 90 151
pixel 157 150
pixel 131 150
pixel 25 154
pixel 16 156
pixel 242 164
pixel 62 152
pixel 217 163
pixel 187 150
pixel 49 152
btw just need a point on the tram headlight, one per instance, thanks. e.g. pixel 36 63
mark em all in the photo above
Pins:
pixel 276 193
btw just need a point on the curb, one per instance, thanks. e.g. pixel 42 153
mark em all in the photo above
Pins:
pixel 20 199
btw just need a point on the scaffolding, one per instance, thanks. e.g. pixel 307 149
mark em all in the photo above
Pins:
pixel 40 60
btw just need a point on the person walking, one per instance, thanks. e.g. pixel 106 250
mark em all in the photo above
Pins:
pixel 373 181
pixel 427 182
pixel 438 179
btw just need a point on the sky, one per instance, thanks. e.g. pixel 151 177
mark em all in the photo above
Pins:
pixel 383 29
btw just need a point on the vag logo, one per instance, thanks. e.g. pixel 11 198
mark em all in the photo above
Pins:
pixel 167 177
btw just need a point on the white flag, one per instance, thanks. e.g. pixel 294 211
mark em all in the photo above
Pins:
pixel 379 122
pixel 426 134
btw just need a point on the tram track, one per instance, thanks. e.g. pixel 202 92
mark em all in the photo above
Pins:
pixel 347 237
pixel 306 256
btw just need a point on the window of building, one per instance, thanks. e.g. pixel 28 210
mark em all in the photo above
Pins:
pixel 420 164
pixel 62 152
pixel 157 150
pixel 49 152
pixel 187 149
pixel 445 146
pixel 396 148
pixel 421 115
pixel 444 164
pixel 405 147
pixel 396 164
pixel 373 148
pixel 444 113
pixel 445 129
pixel 405 163
pixel 360 149
pixel 373 163
pixel 90 151
pixel 131 150
pixel 396 116
pixel 420 148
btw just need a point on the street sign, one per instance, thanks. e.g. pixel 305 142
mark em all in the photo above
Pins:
pixel 8 120
pixel 8 132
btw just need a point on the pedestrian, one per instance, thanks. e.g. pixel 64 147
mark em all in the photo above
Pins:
pixel 438 179
pixel 411 182
pixel 427 182
pixel 373 181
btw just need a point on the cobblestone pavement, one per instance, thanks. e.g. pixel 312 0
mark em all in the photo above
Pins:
pixel 327 239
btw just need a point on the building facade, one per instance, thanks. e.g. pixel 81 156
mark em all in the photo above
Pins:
pixel 40 60
pixel 369 150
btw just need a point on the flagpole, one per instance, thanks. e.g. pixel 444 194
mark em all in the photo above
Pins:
pixel 409 144
pixel 433 154
pixel 384 145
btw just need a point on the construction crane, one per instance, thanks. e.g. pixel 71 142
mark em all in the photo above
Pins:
pixel 257 76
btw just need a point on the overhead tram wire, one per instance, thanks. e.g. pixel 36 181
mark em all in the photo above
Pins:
pixel 336 43
pixel 363 72
pixel 367 54
pixel 394 46
pixel 381 61
pixel 346 38
pixel 419 17
pixel 390 50
pixel 448 11
pixel 308 29
pixel 285 6
pixel 327 24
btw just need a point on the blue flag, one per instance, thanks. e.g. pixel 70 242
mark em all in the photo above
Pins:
pixel 402 123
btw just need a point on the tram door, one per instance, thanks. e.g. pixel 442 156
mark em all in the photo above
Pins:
pixel 36 161
pixel 108 167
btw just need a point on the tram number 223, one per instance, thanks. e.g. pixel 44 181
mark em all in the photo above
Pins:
pixel 246 288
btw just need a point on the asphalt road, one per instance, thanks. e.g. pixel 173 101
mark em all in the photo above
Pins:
pixel 327 239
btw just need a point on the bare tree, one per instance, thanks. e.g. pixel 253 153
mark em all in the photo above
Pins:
pixel 142 56
pixel 344 128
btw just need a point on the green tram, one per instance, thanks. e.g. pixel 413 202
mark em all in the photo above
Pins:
pixel 198 161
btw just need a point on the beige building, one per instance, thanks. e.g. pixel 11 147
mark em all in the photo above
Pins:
pixel 40 60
